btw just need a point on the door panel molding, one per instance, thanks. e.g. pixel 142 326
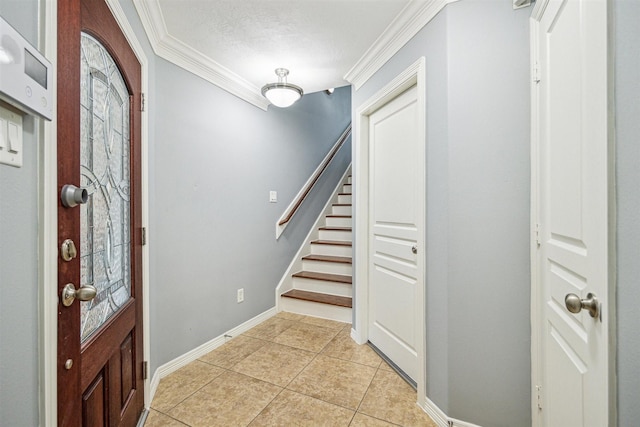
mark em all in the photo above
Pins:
pixel 48 216
pixel 414 75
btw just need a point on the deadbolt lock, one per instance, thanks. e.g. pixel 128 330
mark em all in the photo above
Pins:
pixel 68 250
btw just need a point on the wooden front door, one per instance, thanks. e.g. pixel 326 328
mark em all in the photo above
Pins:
pixel 100 375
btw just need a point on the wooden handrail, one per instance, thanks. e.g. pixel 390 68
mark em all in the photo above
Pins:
pixel 303 195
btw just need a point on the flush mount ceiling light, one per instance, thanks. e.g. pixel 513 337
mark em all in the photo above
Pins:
pixel 282 94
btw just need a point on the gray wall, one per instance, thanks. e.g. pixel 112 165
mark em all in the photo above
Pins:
pixel 19 258
pixel 478 343
pixel 214 159
pixel 627 87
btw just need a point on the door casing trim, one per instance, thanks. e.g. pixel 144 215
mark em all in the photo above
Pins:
pixel 413 75
pixel 48 217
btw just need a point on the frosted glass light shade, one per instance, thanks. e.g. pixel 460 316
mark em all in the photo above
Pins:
pixel 282 94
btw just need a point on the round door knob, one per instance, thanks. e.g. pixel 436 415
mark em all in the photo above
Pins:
pixel 574 304
pixel 414 249
pixel 70 294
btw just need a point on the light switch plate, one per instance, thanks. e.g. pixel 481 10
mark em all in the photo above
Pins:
pixel 273 196
pixel 10 137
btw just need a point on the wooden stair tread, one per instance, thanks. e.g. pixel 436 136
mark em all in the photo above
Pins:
pixel 345 194
pixel 341 204
pixel 331 242
pixel 328 258
pixel 338 216
pixel 314 275
pixel 332 228
pixel 318 297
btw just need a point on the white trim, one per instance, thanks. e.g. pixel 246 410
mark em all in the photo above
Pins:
pixel 196 353
pixel 413 75
pixel 536 369
pixel 439 417
pixel 407 24
pixel 48 234
pixel 173 50
pixel 323 164
pixel 135 45
pixel 286 283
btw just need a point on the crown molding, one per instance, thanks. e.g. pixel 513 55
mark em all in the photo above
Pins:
pixel 409 21
pixel 173 50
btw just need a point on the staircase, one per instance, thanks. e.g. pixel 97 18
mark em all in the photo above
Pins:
pixel 323 287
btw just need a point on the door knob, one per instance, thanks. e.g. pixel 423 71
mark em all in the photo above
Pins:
pixel 575 304
pixel 414 249
pixel 70 294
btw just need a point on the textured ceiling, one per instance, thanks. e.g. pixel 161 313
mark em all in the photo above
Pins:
pixel 319 41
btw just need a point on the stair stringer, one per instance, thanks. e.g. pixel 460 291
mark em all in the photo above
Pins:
pixel 286 283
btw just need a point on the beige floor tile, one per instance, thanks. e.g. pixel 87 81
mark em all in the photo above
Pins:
pixel 232 352
pixel 335 381
pixel 344 347
pixel 157 419
pixel 391 399
pixel 386 367
pixel 179 385
pixel 230 400
pixel 361 420
pixel 294 409
pixel 290 316
pixel 325 323
pixel 306 337
pixel 269 329
pixel 275 363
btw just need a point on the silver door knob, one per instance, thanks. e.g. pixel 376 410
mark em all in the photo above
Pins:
pixel 414 249
pixel 70 294
pixel 575 304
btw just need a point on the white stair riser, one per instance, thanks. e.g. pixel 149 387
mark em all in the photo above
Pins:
pixel 331 250
pixel 349 181
pixel 341 235
pixel 338 222
pixel 327 267
pixel 309 308
pixel 323 287
pixel 347 188
pixel 341 210
pixel 344 198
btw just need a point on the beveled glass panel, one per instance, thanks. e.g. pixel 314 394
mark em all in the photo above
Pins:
pixel 105 243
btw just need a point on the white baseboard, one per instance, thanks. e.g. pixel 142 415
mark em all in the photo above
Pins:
pixel 440 418
pixel 203 349
pixel 356 337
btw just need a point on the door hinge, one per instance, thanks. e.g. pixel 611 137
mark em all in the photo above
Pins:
pixel 144 236
pixel 539 396
pixel 145 370
pixel 536 73
pixel 142 102
pixel 537 231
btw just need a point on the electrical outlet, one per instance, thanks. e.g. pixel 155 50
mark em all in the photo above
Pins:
pixel 240 295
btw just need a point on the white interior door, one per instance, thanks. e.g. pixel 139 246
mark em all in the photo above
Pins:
pixel 396 205
pixel 571 145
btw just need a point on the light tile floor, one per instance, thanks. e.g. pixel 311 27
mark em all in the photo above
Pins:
pixel 290 370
